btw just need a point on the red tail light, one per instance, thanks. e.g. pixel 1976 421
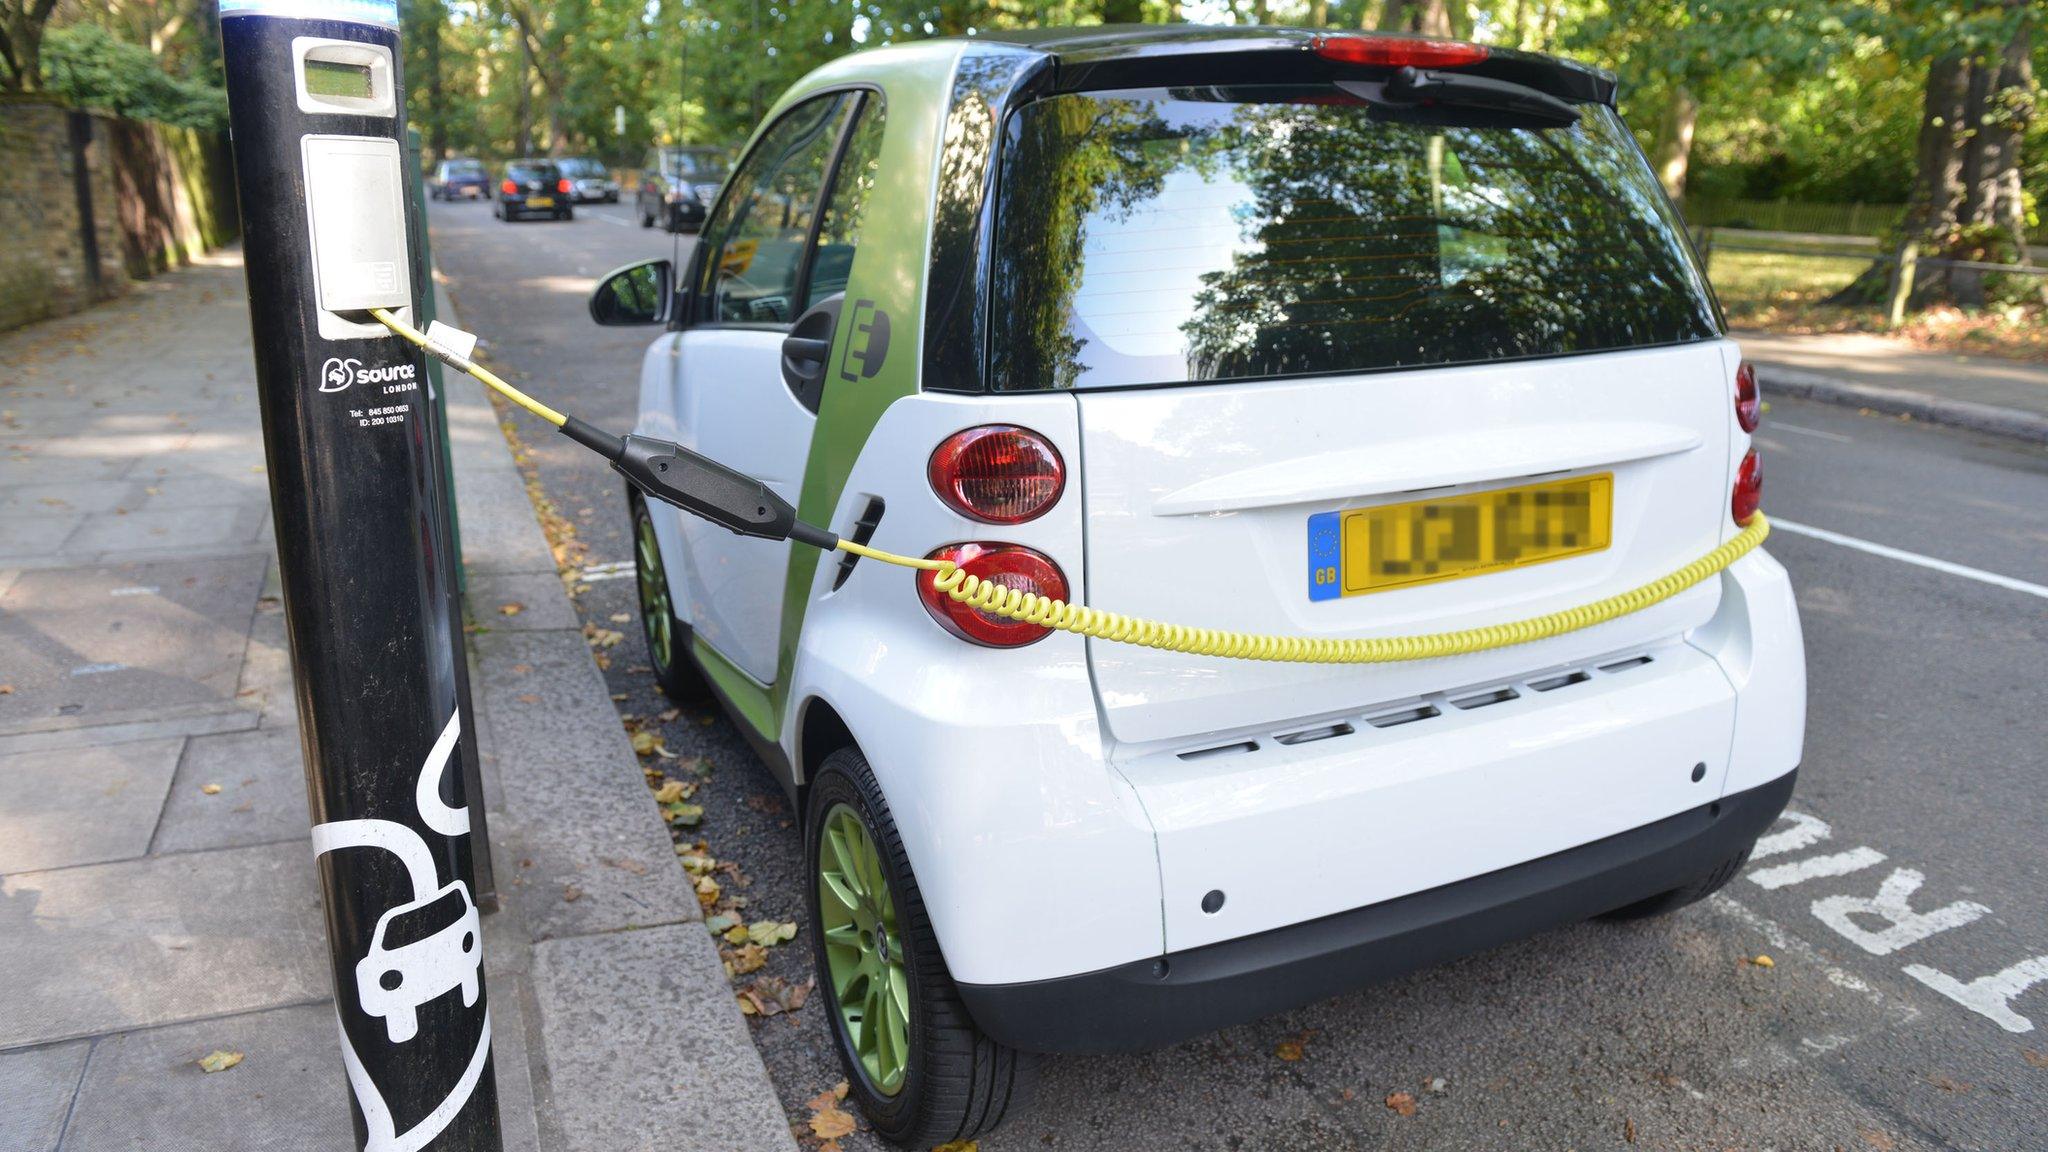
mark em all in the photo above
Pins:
pixel 1749 489
pixel 509 188
pixel 562 186
pixel 1008 565
pixel 1399 51
pixel 1749 405
pixel 997 473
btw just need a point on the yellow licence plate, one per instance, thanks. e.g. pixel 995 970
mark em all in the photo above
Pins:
pixel 1401 545
pixel 540 202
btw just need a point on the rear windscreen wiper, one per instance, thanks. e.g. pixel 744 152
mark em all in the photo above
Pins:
pixel 1425 86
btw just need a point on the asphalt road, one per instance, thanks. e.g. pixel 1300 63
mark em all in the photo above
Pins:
pixel 1925 762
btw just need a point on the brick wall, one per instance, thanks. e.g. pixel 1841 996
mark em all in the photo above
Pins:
pixel 156 197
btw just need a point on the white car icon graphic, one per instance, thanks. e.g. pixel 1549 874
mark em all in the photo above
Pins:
pixel 420 951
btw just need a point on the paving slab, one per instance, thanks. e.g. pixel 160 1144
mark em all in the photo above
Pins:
pixel 112 947
pixel 37 1085
pixel 145 1090
pixel 180 529
pixel 262 796
pixel 33 537
pixel 82 806
pixel 644 1049
pixel 109 644
pixel 586 849
pixel 66 499
pixel 538 595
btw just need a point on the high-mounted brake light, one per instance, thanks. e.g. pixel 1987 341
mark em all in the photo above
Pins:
pixel 1749 407
pixel 1749 489
pixel 997 473
pixel 1006 565
pixel 562 185
pixel 1399 51
pixel 509 188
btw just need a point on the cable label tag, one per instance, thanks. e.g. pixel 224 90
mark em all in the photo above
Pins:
pixel 454 339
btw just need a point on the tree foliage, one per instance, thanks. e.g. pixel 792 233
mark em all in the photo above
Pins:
pixel 87 66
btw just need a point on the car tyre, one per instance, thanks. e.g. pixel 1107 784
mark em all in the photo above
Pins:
pixel 646 218
pixel 1664 903
pixel 666 634
pixel 566 214
pixel 948 1080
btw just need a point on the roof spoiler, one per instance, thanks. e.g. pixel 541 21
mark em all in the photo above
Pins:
pixel 1116 59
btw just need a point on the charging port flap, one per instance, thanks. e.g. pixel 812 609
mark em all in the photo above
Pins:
pixel 356 209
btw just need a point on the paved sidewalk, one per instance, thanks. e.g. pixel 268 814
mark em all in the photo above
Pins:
pixel 157 893
pixel 1983 393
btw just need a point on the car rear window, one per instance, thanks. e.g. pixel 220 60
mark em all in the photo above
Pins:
pixel 532 172
pixel 1165 236
pixel 461 168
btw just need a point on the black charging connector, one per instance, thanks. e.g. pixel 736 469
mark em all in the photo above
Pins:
pixel 699 485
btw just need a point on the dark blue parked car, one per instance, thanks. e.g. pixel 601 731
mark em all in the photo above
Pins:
pixel 460 178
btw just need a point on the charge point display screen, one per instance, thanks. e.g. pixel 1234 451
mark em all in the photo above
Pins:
pixel 332 78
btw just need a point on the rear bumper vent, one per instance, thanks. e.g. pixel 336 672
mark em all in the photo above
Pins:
pixel 863 531
pixel 1419 711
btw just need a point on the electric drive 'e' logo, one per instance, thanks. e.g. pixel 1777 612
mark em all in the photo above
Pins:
pixel 337 374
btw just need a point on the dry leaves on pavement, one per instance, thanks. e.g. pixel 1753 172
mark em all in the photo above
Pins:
pixel 210 789
pixel 218 1061
pixel 768 933
pixel 830 1122
pixel 1288 1050
pixel 511 608
pixel 772 996
pixel 1401 1103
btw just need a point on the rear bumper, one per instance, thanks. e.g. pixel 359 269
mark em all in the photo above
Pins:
pixel 1154 1002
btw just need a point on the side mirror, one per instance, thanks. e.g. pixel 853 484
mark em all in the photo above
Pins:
pixel 642 293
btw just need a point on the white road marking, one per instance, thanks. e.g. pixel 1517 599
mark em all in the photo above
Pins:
pixel 1914 558
pixel 617 570
pixel 1805 832
pixel 1837 437
pixel 1893 904
pixel 1815 867
pixel 1988 995
pixel 628 224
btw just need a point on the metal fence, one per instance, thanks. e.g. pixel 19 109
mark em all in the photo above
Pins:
pixel 1754 272
pixel 1871 220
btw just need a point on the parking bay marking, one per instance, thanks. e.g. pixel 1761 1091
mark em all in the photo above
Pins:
pixel 1989 996
pixel 1914 558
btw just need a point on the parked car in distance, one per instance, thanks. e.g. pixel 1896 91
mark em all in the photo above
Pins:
pixel 534 187
pixel 1312 335
pixel 590 182
pixel 460 178
pixel 677 186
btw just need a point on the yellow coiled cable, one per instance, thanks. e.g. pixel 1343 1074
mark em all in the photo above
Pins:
pixel 1104 625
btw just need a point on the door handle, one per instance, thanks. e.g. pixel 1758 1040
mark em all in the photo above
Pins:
pixel 806 349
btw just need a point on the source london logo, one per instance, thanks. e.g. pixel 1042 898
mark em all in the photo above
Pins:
pixel 337 374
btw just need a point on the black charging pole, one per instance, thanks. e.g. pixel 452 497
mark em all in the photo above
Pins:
pixel 316 108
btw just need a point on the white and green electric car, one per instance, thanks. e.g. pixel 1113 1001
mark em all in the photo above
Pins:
pixel 1336 336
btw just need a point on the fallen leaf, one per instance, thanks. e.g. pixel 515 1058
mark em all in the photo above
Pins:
pixel 218 1061
pixel 707 891
pixel 621 617
pixel 687 815
pixel 645 743
pixel 695 863
pixel 605 637
pixel 767 933
pixel 2037 1059
pixel 832 1123
pixel 672 791
pixel 736 934
pixel 528 698
pixel 521 669
pixel 1763 961
pixel 1401 1103
pixel 1628 1129
pixel 717 924
pixel 1946 1083
pixel 669 715
pixel 210 789
pixel 958 1146
pixel 571 893
pixel 772 996
pixel 633 867
pixel 1877 1139
pixel 829 1098
pixel 744 959
pixel 513 608
pixel 6 689
pixel 1288 1050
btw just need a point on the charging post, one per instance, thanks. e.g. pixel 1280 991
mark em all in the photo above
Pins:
pixel 316 108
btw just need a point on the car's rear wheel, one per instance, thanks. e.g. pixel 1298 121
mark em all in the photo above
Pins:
pixel 1690 893
pixel 668 637
pixel 646 218
pixel 916 1065
pixel 566 214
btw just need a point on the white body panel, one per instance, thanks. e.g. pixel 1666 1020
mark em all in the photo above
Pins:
pixel 1199 497
pixel 731 404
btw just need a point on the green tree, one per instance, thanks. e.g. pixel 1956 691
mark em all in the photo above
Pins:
pixel 21 43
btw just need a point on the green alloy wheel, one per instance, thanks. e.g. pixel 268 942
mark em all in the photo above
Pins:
pixel 916 1065
pixel 863 950
pixel 668 638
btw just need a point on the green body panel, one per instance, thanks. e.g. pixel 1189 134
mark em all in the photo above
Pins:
pixel 888 268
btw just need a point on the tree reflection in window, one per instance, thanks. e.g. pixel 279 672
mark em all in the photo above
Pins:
pixel 1156 237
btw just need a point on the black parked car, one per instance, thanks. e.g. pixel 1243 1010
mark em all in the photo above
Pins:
pixel 677 186
pixel 534 188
